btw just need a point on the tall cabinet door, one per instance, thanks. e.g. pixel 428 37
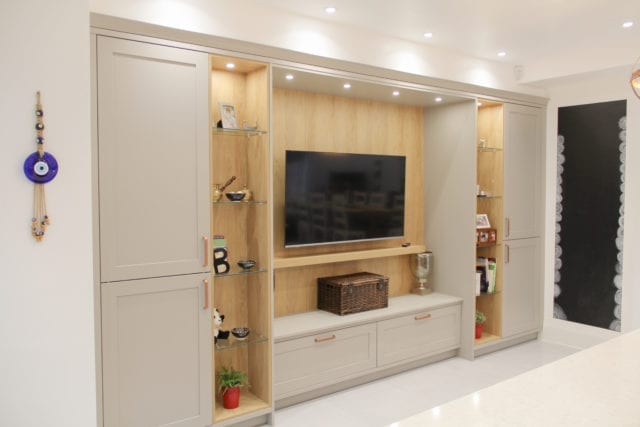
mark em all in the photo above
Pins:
pixel 153 149
pixel 157 352
pixel 521 294
pixel 522 171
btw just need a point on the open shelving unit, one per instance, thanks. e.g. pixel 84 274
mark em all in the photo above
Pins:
pixel 242 296
pixel 489 201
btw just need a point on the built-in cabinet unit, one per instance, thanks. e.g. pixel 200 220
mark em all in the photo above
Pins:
pixel 159 152
pixel 162 230
pixel 152 143
pixel 509 179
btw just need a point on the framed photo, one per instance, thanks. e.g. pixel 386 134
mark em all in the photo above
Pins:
pixel 228 116
pixel 482 221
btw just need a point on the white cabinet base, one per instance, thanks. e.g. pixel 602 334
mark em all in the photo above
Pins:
pixel 319 352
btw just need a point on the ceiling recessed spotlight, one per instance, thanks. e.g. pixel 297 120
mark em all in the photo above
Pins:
pixel 627 24
pixel 289 77
pixel 395 93
pixel 330 9
pixel 438 99
pixel 347 85
pixel 428 35
pixel 231 65
pixel 479 104
pixel 502 53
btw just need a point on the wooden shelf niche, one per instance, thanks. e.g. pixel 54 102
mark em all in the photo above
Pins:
pixel 304 120
pixel 490 180
pixel 244 299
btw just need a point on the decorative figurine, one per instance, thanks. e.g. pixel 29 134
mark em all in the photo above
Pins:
pixel 218 333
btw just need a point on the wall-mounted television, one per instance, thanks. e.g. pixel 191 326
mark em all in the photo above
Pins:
pixel 340 197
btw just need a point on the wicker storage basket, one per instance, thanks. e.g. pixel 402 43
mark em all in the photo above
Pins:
pixel 353 293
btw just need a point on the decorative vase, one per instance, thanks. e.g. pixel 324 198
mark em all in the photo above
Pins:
pixel 216 194
pixel 248 194
pixel 420 268
pixel 231 398
pixel 478 330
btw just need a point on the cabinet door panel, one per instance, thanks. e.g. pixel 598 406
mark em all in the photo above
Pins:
pixel 156 352
pixel 418 335
pixel 521 289
pixel 153 159
pixel 523 169
pixel 311 362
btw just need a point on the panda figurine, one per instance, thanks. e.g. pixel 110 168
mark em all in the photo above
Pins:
pixel 217 324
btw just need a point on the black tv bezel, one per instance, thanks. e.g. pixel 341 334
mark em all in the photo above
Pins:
pixel 339 242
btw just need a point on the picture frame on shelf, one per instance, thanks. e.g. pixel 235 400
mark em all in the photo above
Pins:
pixel 228 116
pixel 482 221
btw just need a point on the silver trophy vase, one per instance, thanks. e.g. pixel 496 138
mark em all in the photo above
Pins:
pixel 421 265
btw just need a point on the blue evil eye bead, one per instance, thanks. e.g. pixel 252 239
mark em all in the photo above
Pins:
pixel 39 113
pixel 40 140
pixel 40 169
pixel 39 126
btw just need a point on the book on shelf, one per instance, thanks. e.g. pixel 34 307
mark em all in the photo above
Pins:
pixel 486 271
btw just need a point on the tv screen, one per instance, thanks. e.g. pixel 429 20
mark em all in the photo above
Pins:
pixel 338 197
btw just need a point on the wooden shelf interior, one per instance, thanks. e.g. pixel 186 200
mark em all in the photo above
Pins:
pixel 321 122
pixel 486 338
pixel 490 178
pixel 302 261
pixel 244 299
pixel 249 403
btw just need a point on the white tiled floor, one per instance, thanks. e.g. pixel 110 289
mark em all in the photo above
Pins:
pixel 391 399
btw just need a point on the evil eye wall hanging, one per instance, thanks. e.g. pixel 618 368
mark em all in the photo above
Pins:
pixel 40 168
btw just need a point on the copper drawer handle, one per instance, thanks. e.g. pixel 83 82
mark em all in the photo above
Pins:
pixel 205 240
pixel 423 317
pixel 205 282
pixel 332 337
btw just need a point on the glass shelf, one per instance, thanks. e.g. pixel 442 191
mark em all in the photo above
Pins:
pixel 240 202
pixel 489 149
pixel 487 294
pixel 486 245
pixel 237 271
pixel 239 132
pixel 233 342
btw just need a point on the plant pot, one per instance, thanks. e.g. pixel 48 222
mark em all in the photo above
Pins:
pixel 478 330
pixel 231 398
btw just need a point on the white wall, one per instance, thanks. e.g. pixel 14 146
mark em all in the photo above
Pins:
pixel 47 366
pixel 608 85
pixel 252 21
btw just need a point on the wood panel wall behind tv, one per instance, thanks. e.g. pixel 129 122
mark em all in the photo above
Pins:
pixel 318 122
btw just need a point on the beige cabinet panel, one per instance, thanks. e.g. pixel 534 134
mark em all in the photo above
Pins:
pixel 418 335
pixel 311 362
pixel 153 150
pixel 156 352
pixel 521 305
pixel 522 171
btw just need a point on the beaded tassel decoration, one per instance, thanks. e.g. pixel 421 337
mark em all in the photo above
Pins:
pixel 40 219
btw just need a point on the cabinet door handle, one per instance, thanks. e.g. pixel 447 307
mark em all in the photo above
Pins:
pixel 205 284
pixel 332 337
pixel 506 254
pixel 423 316
pixel 507 227
pixel 205 241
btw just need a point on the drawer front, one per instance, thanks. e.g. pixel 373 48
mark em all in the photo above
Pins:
pixel 418 335
pixel 311 362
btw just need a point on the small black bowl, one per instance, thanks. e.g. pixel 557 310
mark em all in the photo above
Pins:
pixel 235 196
pixel 246 264
pixel 240 333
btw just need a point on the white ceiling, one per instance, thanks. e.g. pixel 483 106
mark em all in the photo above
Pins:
pixel 531 32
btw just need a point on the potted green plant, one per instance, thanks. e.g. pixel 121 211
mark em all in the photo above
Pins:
pixel 480 319
pixel 229 382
